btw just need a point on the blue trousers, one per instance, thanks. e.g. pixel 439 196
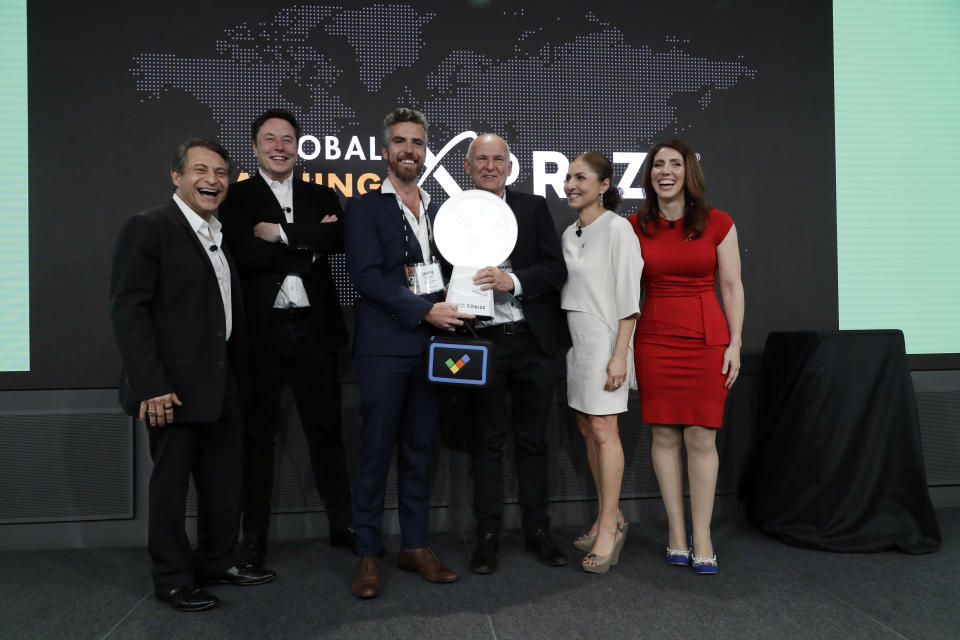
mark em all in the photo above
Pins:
pixel 398 407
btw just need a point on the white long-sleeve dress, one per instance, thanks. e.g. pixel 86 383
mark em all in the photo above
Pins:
pixel 603 286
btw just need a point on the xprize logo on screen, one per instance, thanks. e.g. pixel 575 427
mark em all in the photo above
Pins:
pixel 547 168
pixel 541 164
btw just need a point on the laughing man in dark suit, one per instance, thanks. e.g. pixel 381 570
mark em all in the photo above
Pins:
pixel 281 230
pixel 175 301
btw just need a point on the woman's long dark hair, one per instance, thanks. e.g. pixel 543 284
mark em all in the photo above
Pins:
pixel 695 209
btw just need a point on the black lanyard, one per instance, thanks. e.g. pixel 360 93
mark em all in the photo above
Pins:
pixel 405 226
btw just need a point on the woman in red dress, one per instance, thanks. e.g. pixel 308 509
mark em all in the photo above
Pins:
pixel 687 348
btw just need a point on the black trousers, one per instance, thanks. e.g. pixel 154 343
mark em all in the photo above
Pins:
pixel 294 356
pixel 212 452
pixel 527 375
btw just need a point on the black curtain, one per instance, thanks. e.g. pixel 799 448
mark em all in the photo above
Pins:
pixel 837 464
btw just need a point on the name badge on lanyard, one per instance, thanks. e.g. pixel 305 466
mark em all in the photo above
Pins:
pixel 424 277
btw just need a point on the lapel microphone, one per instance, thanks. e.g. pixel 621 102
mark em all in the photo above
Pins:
pixel 213 248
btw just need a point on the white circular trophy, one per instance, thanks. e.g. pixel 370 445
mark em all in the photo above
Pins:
pixel 474 229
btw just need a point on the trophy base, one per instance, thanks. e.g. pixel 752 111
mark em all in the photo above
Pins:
pixel 467 296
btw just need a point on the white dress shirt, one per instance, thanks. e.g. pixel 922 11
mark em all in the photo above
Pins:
pixel 210 235
pixel 421 227
pixel 292 292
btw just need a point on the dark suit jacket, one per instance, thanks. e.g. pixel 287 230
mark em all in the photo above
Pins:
pixel 264 265
pixel 537 261
pixel 168 316
pixel 389 315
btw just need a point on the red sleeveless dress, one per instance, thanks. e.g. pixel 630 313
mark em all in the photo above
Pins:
pixel 682 333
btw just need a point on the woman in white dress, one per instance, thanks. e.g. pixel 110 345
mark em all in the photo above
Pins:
pixel 602 301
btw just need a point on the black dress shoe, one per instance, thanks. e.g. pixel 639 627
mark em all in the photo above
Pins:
pixel 342 537
pixel 252 551
pixel 540 543
pixel 243 576
pixel 188 598
pixel 484 558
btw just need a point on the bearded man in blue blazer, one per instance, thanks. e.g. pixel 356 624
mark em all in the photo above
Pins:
pixel 388 236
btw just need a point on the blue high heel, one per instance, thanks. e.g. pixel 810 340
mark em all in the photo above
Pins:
pixel 703 566
pixel 678 557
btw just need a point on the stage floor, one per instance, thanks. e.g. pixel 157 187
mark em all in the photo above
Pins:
pixel 765 589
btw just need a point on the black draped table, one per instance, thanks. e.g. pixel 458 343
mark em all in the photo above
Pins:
pixel 837 463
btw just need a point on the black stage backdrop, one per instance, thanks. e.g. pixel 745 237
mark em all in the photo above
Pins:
pixel 748 83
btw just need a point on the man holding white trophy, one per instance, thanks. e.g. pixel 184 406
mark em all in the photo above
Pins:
pixel 528 330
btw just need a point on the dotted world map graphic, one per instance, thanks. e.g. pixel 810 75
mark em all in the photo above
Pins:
pixel 591 90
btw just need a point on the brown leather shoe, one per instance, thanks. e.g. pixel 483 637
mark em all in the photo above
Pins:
pixel 426 564
pixel 366 579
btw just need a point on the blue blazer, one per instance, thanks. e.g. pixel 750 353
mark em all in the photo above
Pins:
pixel 389 315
